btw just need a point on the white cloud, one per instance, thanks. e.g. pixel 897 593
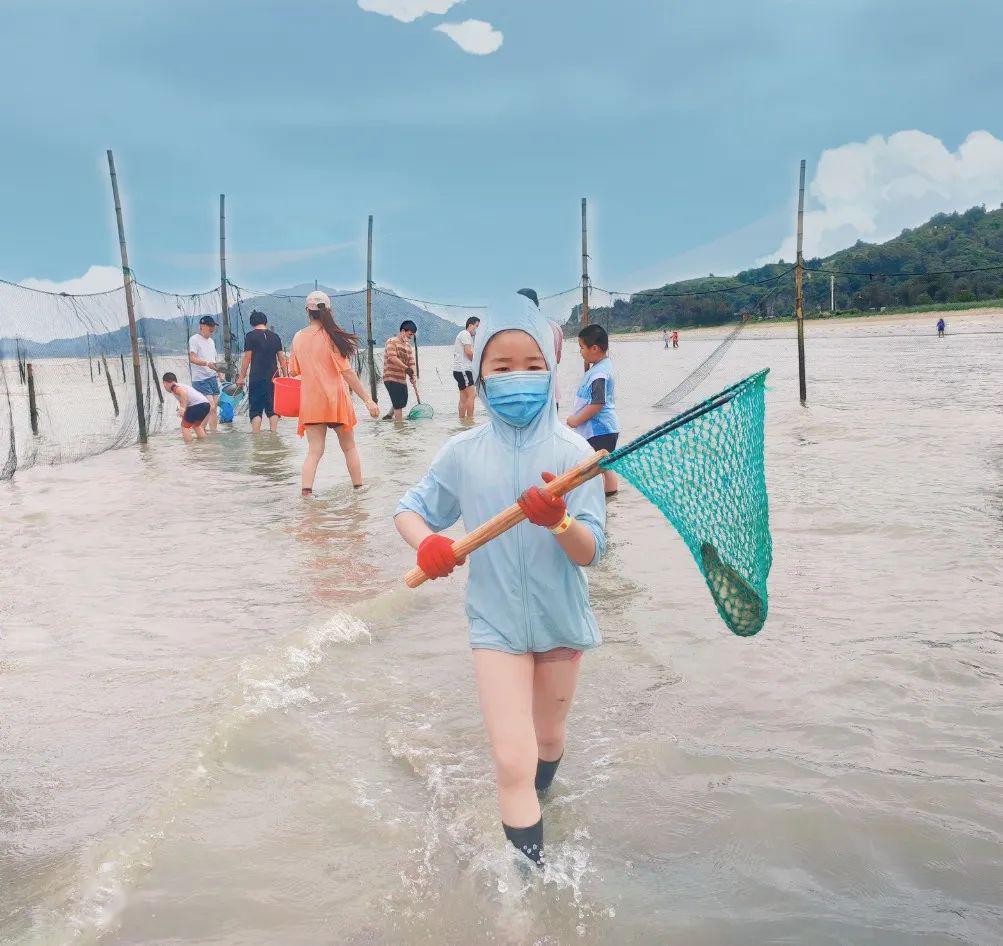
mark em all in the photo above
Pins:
pixel 96 279
pixel 407 11
pixel 873 190
pixel 473 36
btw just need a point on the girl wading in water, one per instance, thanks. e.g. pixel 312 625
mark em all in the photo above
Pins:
pixel 527 597
pixel 320 358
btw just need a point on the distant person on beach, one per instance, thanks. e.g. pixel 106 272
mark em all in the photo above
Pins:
pixel 398 365
pixel 941 328
pixel 193 407
pixel 594 415
pixel 463 367
pixel 320 358
pixel 263 358
pixel 665 338
pixel 527 597
pixel 203 358
pixel 675 339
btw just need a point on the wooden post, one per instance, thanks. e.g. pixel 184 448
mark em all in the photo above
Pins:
pixel 129 306
pixel 90 363
pixel 799 290
pixel 832 294
pixel 585 269
pixel 111 386
pixel 227 334
pixel 121 358
pixel 32 403
pixel 20 361
pixel 369 312
pixel 585 265
pixel 153 372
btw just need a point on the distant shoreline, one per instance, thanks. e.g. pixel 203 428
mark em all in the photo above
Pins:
pixel 995 309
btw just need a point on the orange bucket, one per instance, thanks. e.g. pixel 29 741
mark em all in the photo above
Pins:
pixel 287 397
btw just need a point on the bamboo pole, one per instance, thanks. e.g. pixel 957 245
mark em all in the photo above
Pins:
pixel 799 290
pixel 512 516
pixel 111 388
pixel 369 312
pixel 153 373
pixel 127 281
pixel 227 334
pixel 32 402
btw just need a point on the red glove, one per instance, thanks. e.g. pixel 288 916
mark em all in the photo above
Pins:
pixel 435 556
pixel 541 508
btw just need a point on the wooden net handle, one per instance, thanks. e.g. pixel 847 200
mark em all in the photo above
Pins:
pixel 512 516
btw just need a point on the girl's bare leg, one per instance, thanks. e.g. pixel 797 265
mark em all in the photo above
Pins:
pixel 352 460
pixel 553 690
pixel 316 438
pixel 505 686
pixel 186 434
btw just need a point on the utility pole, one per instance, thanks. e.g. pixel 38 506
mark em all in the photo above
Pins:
pixel 130 307
pixel 799 290
pixel 832 294
pixel 227 335
pixel 585 264
pixel 369 312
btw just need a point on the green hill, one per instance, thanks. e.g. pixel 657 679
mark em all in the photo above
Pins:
pixel 971 240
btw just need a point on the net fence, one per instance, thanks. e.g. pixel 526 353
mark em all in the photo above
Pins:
pixel 67 386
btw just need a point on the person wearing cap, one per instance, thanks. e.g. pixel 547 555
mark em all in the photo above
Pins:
pixel 263 357
pixel 320 357
pixel 203 358
pixel 398 365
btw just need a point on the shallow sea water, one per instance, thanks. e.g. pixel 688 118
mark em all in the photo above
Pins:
pixel 225 720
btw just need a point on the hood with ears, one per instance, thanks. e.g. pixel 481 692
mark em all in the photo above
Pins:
pixel 517 313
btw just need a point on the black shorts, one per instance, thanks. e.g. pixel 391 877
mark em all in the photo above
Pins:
pixel 464 379
pixel 604 442
pixel 260 398
pixel 397 392
pixel 194 415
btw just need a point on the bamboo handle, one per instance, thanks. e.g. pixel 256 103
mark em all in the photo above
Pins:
pixel 512 516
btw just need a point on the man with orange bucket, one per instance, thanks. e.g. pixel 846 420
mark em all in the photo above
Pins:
pixel 263 357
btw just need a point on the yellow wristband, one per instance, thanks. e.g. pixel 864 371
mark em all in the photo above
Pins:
pixel 563 525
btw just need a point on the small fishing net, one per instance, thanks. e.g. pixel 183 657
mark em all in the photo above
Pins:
pixel 421 412
pixel 704 471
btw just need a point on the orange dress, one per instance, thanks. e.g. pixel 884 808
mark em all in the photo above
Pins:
pixel 324 394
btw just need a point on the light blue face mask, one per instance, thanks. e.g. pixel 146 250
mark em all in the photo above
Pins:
pixel 518 396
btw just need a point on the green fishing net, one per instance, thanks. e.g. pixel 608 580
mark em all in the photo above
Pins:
pixel 421 412
pixel 704 471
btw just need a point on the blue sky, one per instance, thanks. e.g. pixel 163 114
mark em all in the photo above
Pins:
pixel 682 122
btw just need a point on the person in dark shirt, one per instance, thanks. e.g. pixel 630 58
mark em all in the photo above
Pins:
pixel 263 357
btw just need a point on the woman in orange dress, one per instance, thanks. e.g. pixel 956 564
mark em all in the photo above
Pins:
pixel 319 358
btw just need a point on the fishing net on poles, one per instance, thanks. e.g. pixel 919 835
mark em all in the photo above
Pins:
pixel 704 470
pixel 699 374
pixel 67 383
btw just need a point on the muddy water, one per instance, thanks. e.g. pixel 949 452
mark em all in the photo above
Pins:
pixel 224 719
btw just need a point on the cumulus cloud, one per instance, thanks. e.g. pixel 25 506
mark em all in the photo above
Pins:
pixel 872 190
pixel 473 36
pixel 96 279
pixel 407 11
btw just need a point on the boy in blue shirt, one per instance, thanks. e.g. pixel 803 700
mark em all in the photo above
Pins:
pixel 594 414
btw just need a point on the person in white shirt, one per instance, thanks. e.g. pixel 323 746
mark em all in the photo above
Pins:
pixel 203 358
pixel 193 407
pixel 463 367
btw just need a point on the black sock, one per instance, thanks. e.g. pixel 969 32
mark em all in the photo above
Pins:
pixel 545 772
pixel 528 840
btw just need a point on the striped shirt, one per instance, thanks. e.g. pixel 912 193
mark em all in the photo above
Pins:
pixel 398 360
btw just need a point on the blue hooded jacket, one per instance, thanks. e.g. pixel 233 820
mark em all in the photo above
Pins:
pixel 524 593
